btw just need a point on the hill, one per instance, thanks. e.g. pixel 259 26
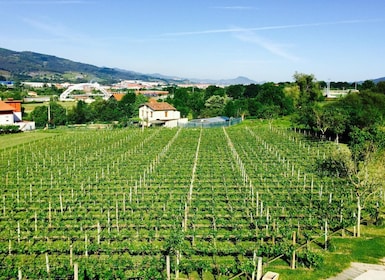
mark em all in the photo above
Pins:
pixel 38 67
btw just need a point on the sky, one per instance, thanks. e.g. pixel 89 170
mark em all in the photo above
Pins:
pixel 264 40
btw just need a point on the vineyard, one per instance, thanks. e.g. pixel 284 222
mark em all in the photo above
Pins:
pixel 117 202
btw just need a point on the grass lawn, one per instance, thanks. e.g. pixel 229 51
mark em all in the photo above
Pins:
pixel 10 140
pixel 29 107
pixel 370 248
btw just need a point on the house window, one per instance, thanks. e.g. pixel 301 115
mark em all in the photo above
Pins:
pixel 165 114
pixel 151 114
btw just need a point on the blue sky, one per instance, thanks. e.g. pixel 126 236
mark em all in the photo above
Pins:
pixel 264 40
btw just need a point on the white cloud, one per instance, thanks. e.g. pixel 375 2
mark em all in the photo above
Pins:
pixel 273 48
pixel 272 27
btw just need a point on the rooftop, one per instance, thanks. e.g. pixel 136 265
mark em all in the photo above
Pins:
pixel 4 107
pixel 160 106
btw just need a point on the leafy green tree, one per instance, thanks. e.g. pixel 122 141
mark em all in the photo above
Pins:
pixel 270 113
pixel 309 94
pixel 80 113
pixel 271 94
pixel 58 114
pixel 214 106
pixel 322 118
pixel 353 162
pixel 139 100
pixel 368 85
pixel 338 119
pixel 380 87
pixel 254 106
pixel 235 91
pixel 40 116
pixel 214 90
pixel 309 89
pixel 196 103
pixel 364 109
pixel 251 91
pixel 127 103
pixel 230 109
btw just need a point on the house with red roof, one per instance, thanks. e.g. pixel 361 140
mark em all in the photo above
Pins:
pixel 6 114
pixel 155 113
pixel 10 114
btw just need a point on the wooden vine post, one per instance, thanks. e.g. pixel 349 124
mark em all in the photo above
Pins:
pixel 292 266
pixel 168 267
pixel 76 271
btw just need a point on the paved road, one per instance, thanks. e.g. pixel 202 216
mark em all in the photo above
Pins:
pixel 362 271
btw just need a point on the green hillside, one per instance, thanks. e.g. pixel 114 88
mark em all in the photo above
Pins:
pixel 31 66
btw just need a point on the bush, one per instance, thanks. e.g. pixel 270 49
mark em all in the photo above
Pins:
pixel 8 129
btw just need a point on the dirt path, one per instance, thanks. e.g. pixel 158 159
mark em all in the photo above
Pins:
pixel 362 271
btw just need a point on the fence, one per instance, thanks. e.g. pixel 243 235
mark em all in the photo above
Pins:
pixel 211 124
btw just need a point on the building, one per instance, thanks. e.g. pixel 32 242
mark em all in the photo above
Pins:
pixel 159 113
pixel 6 114
pixel 10 114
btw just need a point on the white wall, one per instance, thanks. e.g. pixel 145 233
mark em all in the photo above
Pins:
pixel 145 113
pixel 6 119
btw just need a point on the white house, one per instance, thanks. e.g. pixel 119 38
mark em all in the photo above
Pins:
pixel 10 114
pixel 6 114
pixel 159 113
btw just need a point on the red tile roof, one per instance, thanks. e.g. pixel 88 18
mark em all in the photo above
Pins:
pixel 5 107
pixel 16 104
pixel 160 106
pixel 118 96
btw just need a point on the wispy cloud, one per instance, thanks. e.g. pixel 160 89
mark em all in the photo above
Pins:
pixel 56 30
pixel 272 27
pixel 268 45
pixel 250 35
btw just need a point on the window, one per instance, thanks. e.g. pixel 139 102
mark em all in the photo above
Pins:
pixel 165 114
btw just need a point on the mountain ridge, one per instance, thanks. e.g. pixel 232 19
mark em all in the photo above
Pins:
pixel 38 67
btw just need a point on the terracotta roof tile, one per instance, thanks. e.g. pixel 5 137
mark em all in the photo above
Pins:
pixel 160 106
pixel 118 96
pixel 5 107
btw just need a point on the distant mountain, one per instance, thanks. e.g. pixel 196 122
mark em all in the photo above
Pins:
pixel 379 80
pixel 37 67
pixel 33 66
pixel 226 82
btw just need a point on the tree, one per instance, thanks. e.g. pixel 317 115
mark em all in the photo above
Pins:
pixel 380 87
pixel 40 116
pixel 80 113
pixel 367 183
pixel 338 119
pixel 368 85
pixel 139 100
pixel 309 89
pixel 214 106
pixel 58 114
pixel 126 104
pixel 214 90
pixel 359 163
pixel 196 103
pixel 323 118
pixel 251 91
pixel 270 113
pixel 235 91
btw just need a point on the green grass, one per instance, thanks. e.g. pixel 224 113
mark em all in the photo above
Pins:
pixel 10 140
pixel 29 107
pixel 370 248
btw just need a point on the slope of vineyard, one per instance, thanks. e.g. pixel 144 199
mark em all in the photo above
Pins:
pixel 117 202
